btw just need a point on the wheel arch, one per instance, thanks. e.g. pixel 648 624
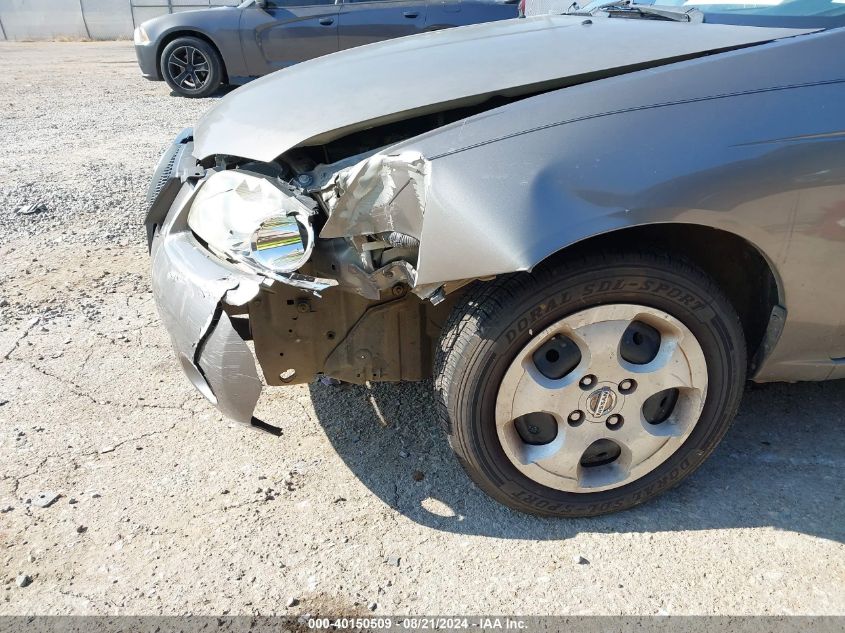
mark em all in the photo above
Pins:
pixel 721 254
pixel 186 32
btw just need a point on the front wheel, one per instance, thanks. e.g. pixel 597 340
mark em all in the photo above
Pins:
pixel 191 67
pixel 590 386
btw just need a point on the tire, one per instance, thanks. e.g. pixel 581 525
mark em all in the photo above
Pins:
pixel 482 354
pixel 191 67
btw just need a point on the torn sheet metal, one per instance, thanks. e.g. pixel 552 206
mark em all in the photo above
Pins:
pixel 395 275
pixel 383 193
pixel 306 282
pixel 352 264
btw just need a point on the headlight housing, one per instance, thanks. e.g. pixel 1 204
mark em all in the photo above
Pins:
pixel 140 36
pixel 248 219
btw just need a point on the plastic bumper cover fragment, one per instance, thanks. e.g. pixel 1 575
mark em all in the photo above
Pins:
pixel 174 167
pixel 190 289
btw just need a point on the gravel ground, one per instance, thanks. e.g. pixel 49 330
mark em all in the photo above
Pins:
pixel 163 507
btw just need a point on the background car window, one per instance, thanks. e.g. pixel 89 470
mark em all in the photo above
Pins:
pixel 792 8
pixel 298 3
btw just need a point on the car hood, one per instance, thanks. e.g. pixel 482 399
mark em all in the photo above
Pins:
pixel 325 98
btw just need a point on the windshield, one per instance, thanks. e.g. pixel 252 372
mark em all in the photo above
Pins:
pixel 799 13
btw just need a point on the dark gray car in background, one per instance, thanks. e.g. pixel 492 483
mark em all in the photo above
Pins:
pixel 197 51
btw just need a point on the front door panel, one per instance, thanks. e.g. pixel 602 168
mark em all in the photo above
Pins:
pixel 290 31
pixel 376 20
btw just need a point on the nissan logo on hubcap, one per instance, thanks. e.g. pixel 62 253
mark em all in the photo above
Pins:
pixel 601 401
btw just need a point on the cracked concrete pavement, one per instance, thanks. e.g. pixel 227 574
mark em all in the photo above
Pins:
pixel 167 508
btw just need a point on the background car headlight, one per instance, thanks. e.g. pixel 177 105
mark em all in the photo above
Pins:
pixel 140 36
pixel 248 219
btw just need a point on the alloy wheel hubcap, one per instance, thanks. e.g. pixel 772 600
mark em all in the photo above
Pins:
pixel 601 401
pixel 601 398
pixel 188 67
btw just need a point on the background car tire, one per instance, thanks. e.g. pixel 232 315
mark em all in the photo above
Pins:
pixel 496 319
pixel 191 67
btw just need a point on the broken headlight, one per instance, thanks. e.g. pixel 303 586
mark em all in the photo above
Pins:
pixel 250 220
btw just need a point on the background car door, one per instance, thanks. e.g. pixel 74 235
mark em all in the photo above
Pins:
pixel 366 21
pixel 448 13
pixel 286 32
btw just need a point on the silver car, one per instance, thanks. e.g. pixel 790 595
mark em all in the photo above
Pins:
pixel 588 253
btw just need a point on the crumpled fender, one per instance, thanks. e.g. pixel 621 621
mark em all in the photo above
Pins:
pixel 385 192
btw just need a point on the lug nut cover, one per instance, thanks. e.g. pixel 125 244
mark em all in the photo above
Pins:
pixel 627 386
pixel 576 417
pixel 587 381
pixel 614 422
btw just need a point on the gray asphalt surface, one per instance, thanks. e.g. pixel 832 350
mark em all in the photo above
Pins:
pixel 163 507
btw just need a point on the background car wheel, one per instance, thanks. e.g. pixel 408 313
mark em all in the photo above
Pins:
pixel 589 386
pixel 191 67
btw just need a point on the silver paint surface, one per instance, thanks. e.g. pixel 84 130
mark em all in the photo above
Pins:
pixel 324 98
pixel 749 141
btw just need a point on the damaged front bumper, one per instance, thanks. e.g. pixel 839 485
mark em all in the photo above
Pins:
pixel 191 287
pixel 376 325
